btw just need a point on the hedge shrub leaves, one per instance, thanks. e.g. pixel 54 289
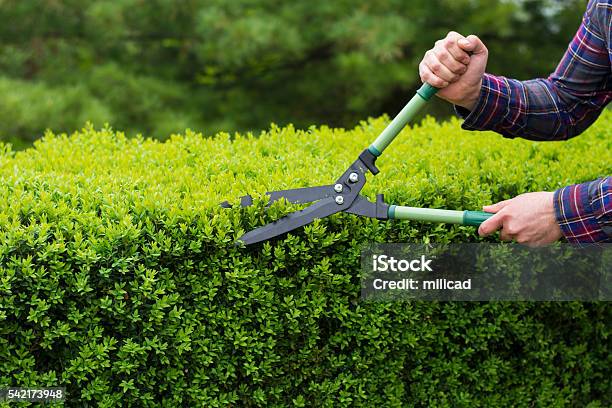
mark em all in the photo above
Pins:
pixel 119 278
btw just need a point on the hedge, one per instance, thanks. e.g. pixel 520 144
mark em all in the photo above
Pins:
pixel 119 278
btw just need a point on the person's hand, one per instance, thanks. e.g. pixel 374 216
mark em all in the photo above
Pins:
pixel 527 219
pixel 456 65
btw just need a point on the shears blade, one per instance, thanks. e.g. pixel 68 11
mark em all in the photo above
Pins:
pixel 320 209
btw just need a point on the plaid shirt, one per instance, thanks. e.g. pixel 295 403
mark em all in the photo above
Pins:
pixel 558 108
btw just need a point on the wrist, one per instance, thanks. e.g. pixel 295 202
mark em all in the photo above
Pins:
pixel 472 97
pixel 491 107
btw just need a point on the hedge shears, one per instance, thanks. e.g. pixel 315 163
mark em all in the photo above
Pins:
pixel 343 195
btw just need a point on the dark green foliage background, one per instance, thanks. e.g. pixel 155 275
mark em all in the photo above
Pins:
pixel 119 278
pixel 160 66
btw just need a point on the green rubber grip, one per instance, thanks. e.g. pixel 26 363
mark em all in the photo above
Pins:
pixel 475 218
pixel 427 91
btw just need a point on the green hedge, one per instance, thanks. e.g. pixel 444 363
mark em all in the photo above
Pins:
pixel 120 281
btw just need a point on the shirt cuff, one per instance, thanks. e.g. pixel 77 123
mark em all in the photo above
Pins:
pixel 575 215
pixel 491 107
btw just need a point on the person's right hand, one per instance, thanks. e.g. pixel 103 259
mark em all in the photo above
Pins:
pixel 456 65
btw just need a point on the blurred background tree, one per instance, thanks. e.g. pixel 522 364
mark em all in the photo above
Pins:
pixel 160 66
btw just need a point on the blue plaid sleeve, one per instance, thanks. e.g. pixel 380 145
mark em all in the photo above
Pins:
pixel 584 211
pixel 562 105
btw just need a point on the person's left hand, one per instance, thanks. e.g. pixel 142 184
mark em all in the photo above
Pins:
pixel 527 219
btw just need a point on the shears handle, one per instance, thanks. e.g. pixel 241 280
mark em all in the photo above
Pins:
pixel 421 97
pixel 473 218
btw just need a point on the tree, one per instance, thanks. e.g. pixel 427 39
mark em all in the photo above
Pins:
pixel 160 66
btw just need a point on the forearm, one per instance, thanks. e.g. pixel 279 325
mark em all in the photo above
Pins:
pixel 536 109
pixel 560 106
pixel 584 211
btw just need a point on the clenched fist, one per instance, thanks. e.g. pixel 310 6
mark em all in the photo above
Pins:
pixel 456 65
pixel 527 219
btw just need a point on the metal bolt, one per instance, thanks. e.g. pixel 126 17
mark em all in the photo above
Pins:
pixel 338 188
pixel 339 200
pixel 353 177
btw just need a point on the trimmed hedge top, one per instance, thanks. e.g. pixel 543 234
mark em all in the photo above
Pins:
pixel 436 165
pixel 120 281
